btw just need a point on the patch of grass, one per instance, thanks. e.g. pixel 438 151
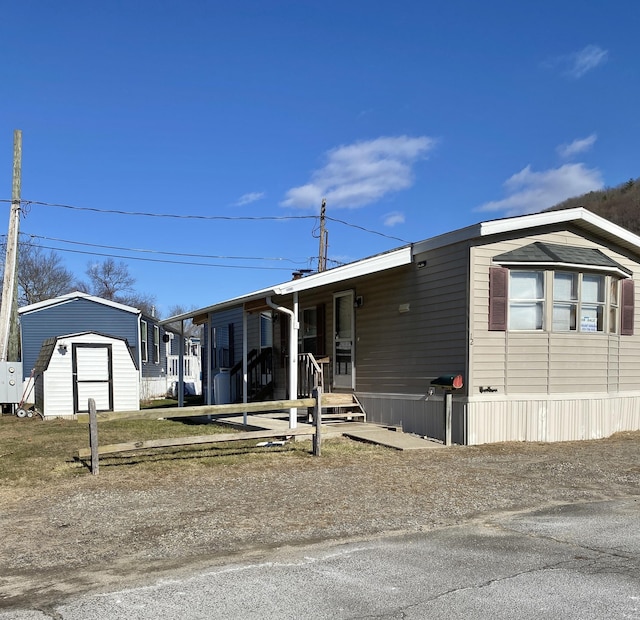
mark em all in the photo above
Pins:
pixel 189 401
pixel 34 452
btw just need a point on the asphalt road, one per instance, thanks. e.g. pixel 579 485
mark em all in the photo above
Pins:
pixel 579 561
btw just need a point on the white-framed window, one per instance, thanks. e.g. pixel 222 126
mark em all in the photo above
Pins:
pixel 156 344
pixel 266 330
pixel 526 300
pixel 592 303
pixel 143 341
pixel 614 304
pixel 579 302
pixel 565 302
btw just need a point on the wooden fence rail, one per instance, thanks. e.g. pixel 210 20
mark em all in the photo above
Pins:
pixel 200 410
pixel 217 411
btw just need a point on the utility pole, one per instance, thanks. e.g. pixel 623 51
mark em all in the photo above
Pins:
pixel 324 237
pixel 9 341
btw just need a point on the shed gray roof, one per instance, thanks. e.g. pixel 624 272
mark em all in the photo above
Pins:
pixel 550 253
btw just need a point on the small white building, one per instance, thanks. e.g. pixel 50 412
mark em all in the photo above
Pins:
pixel 73 368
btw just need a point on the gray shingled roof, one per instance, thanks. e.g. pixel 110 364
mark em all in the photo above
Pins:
pixel 539 252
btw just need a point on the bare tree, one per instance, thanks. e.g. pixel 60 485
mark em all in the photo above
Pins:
pixel 108 279
pixel 191 330
pixel 41 274
pixel 112 280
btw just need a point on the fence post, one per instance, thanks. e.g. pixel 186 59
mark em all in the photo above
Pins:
pixel 93 437
pixel 317 418
pixel 448 398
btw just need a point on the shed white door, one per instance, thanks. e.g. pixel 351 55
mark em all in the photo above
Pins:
pixel 343 349
pixel 92 377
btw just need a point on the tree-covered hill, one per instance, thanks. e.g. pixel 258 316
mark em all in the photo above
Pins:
pixel 620 205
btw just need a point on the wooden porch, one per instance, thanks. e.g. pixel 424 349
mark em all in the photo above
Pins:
pixel 312 374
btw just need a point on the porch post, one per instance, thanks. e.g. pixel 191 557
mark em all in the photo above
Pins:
pixel 293 354
pixel 181 366
pixel 209 357
pixel 293 362
pixel 245 353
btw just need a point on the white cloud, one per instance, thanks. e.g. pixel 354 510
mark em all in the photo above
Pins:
pixel 530 192
pixel 361 173
pixel 246 199
pixel 393 218
pixel 577 64
pixel 587 59
pixel 567 151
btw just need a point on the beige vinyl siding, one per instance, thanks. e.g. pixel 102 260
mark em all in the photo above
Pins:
pixel 526 362
pixel 394 351
pixel 629 356
pixel 546 362
pixel 613 375
pixel 400 352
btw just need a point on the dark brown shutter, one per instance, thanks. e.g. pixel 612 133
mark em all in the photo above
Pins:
pixel 498 298
pixel 627 308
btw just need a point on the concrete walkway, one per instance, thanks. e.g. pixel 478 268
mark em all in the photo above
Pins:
pixel 361 431
pixel 381 435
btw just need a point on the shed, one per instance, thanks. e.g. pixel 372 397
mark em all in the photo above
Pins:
pixel 73 368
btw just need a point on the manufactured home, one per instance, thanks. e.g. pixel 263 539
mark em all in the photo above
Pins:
pixel 537 314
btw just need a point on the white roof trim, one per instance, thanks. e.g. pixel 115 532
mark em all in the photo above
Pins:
pixel 577 215
pixel 380 262
pixel 546 218
pixel 64 299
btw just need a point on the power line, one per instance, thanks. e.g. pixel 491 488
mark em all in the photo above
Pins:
pixel 211 217
pixel 159 260
pixel 109 255
pixel 213 256
pixel 373 232
pixel 171 215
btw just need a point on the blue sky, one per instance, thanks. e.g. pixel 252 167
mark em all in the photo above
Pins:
pixel 411 118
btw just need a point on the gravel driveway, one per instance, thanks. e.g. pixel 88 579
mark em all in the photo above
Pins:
pixel 101 532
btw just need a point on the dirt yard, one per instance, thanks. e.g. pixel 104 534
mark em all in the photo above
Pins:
pixel 126 526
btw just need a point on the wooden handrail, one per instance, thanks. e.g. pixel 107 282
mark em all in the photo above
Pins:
pixel 200 410
pixel 309 374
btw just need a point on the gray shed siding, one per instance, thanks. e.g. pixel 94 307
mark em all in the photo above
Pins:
pixel 74 316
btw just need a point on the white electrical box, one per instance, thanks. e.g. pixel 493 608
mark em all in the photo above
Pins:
pixel 10 382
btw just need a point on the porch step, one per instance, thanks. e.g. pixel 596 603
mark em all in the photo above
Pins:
pixel 337 399
pixel 341 406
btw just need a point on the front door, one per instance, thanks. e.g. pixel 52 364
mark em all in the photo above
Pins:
pixel 92 377
pixel 343 343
